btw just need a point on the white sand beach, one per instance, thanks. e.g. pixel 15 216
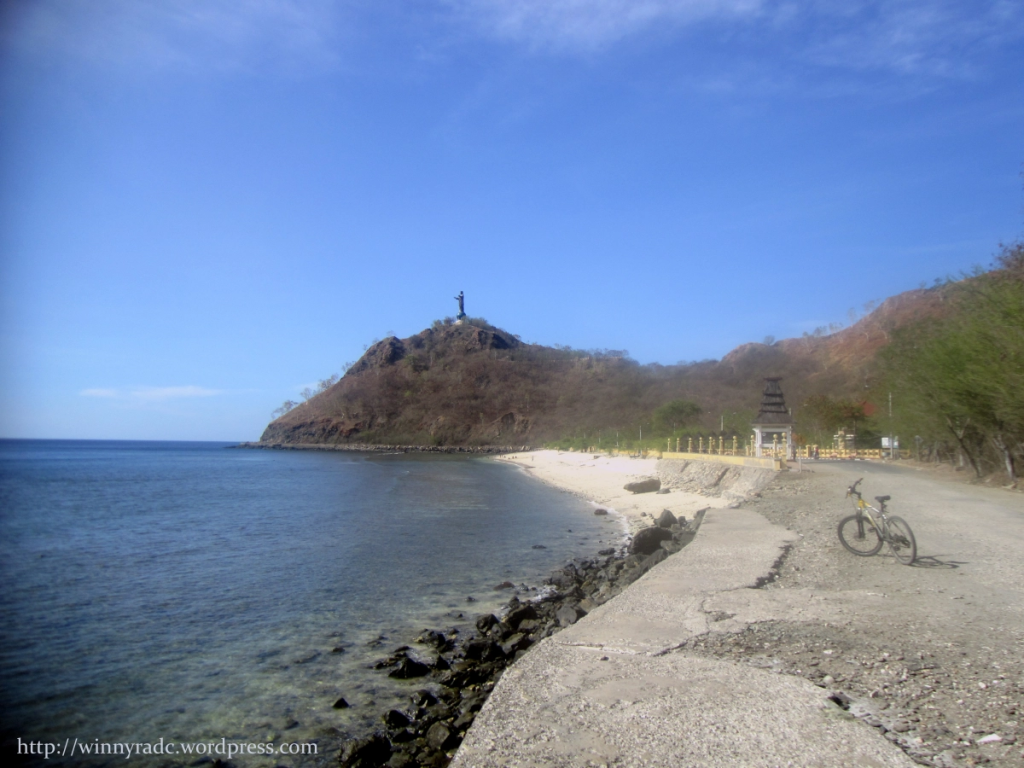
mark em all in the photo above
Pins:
pixel 600 478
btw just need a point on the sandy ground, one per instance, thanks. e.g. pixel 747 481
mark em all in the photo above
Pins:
pixel 600 479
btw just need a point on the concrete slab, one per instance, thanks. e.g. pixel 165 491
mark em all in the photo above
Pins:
pixel 570 706
pixel 612 690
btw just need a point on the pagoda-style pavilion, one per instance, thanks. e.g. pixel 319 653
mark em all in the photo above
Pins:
pixel 773 427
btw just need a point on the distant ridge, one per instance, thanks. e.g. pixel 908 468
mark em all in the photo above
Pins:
pixel 472 384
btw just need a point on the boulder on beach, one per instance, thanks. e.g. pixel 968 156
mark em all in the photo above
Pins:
pixel 648 540
pixel 649 485
pixel 666 519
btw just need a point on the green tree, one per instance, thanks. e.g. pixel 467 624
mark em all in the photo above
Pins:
pixel 824 415
pixel 675 415
pixel 964 374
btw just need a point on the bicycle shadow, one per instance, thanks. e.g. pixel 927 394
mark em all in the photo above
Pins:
pixel 934 561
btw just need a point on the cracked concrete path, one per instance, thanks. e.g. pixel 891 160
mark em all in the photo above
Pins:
pixel 613 690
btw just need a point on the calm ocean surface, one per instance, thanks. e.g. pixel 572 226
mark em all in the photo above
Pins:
pixel 186 591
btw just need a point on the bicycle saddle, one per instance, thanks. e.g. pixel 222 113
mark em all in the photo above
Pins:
pixel 882 499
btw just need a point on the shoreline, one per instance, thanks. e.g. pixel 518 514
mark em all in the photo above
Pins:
pixel 380 448
pixel 461 670
pixel 599 479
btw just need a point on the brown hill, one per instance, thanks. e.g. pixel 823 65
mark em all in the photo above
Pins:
pixel 473 384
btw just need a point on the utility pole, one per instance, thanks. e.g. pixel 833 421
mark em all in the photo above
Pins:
pixel 892 439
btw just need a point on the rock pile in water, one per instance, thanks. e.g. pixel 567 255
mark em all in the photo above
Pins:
pixel 459 671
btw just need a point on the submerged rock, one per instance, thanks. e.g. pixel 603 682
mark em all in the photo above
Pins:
pixel 408 668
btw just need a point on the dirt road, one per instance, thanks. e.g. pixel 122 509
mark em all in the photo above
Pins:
pixel 929 654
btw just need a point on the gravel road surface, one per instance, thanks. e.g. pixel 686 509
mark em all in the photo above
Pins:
pixel 930 654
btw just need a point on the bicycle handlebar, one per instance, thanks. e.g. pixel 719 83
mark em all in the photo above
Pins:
pixel 852 490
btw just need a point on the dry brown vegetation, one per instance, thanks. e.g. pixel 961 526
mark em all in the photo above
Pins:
pixel 474 384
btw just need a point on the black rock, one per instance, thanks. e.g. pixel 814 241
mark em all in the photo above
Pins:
pixel 440 712
pixel 440 737
pixel 523 613
pixel 600 511
pixel 408 668
pixel 504 585
pixel 401 760
pixel 403 736
pixel 472 702
pixel 516 642
pixel 485 622
pixel 341 704
pixel 396 718
pixel 538 546
pixel 368 752
pixel 609 551
pixel 648 540
pixel 482 650
pixel 666 519
pixel 564 578
pixel 434 638
pixel 423 698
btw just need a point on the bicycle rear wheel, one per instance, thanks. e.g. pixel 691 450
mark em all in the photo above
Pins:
pixel 859 536
pixel 901 540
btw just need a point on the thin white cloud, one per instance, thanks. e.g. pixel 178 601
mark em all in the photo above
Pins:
pixel 152 394
pixel 590 24
pixel 937 37
pixel 180 35
pixel 98 393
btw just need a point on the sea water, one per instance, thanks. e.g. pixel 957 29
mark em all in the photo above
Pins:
pixel 192 593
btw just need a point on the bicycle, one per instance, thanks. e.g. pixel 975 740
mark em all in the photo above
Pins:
pixel 864 532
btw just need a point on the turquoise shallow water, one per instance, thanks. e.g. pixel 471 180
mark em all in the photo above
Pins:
pixel 186 591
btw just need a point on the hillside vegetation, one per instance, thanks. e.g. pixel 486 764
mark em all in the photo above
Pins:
pixel 959 379
pixel 942 368
pixel 474 384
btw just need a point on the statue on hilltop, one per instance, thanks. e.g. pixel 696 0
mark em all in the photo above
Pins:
pixel 461 298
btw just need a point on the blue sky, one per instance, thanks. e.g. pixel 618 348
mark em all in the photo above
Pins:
pixel 207 206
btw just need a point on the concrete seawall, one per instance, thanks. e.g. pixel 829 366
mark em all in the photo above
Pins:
pixel 615 690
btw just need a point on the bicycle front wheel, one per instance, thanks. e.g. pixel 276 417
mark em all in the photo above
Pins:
pixel 859 536
pixel 901 540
